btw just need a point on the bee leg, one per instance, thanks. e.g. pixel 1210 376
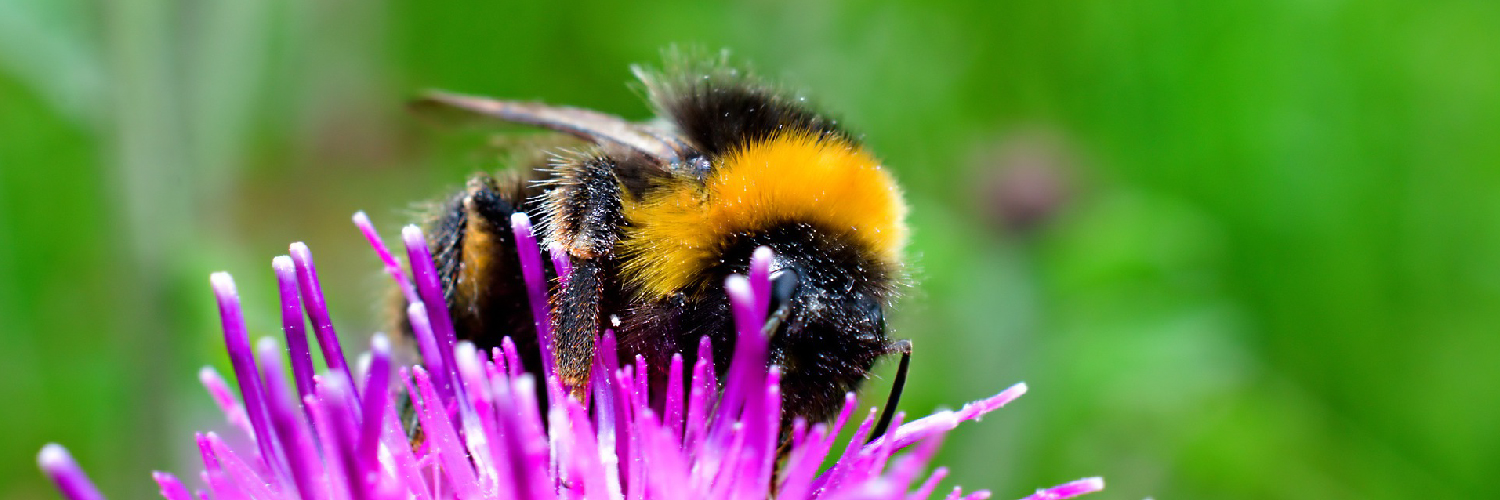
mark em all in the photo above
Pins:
pixel 584 216
pixel 576 323
pixel 902 346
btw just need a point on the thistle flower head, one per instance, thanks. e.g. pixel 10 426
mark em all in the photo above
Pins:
pixel 335 435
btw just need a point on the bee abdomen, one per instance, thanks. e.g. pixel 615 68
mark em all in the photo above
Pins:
pixel 474 252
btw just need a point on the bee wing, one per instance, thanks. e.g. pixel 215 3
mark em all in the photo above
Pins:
pixel 592 126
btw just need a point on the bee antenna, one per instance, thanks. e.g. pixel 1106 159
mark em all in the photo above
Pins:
pixel 904 347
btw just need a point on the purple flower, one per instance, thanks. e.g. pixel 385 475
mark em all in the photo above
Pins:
pixel 335 435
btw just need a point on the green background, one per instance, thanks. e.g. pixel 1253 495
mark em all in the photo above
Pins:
pixel 1262 256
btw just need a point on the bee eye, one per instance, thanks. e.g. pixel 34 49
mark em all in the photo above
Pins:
pixel 783 287
pixel 873 311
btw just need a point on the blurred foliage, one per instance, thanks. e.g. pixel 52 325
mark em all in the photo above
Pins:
pixel 1238 249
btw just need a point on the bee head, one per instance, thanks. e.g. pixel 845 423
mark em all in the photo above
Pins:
pixel 827 304
pixel 825 293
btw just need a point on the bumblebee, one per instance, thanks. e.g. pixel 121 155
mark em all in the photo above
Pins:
pixel 654 216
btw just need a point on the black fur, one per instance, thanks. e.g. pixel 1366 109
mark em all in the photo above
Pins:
pixel 700 113
pixel 718 109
